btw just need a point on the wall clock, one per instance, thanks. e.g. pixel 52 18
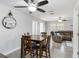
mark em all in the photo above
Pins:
pixel 9 22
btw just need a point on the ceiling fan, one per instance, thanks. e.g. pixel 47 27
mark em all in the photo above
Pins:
pixel 32 7
pixel 61 20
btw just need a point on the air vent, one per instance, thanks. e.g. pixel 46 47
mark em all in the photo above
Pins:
pixel 51 12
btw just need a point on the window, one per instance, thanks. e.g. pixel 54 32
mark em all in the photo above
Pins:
pixel 56 26
pixel 42 27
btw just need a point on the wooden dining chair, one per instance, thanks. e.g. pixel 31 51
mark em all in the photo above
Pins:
pixel 42 47
pixel 44 34
pixel 46 47
pixel 27 47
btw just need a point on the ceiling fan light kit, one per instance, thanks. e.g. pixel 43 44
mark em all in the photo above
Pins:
pixel 32 8
pixel 60 21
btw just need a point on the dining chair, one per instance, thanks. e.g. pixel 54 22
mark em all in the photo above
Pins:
pixel 46 47
pixel 27 47
pixel 43 34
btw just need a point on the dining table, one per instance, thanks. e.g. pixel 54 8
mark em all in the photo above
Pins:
pixel 38 40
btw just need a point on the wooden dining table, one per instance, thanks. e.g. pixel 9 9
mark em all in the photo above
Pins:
pixel 38 39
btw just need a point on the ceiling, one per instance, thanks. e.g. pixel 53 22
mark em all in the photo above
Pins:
pixel 60 8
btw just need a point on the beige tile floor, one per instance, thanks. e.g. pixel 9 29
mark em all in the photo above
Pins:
pixel 57 51
pixel 61 51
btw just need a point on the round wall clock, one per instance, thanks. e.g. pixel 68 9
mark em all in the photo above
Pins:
pixel 9 22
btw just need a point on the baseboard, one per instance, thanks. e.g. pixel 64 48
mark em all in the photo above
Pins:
pixel 7 53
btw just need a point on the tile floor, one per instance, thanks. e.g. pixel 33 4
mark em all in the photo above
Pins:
pixel 61 51
pixel 57 51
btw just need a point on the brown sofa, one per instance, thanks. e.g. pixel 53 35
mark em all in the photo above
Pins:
pixel 55 38
pixel 66 35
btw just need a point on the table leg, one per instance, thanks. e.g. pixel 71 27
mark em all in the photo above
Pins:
pixel 22 49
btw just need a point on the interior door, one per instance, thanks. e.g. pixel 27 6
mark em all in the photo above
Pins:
pixel 78 35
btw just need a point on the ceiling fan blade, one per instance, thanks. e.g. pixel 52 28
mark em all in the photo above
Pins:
pixel 65 20
pixel 43 3
pixel 20 6
pixel 27 1
pixel 41 10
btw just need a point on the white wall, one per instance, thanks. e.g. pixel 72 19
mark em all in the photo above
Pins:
pixel 10 38
pixel 66 26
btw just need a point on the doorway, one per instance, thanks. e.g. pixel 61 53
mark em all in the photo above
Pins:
pixel 37 27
